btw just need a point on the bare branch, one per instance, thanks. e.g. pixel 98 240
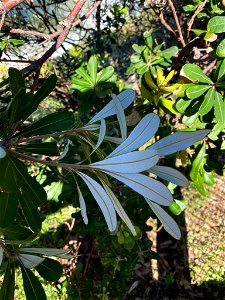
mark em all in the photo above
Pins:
pixel 190 23
pixel 177 22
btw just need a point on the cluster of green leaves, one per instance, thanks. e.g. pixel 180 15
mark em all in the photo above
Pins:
pixel 150 57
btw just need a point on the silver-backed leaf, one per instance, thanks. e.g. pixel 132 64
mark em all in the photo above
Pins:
pixel 126 98
pixel 2 152
pixel 178 141
pixel 132 162
pixel 44 251
pixel 102 199
pixel 30 261
pixel 145 186
pixel 101 135
pixel 82 206
pixel 170 175
pixel 120 116
pixel 91 127
pixel 118 207
pixel 168 222
pixel 140 135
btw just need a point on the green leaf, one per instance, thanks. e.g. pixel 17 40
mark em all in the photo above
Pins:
pixel 168 53
pixel 8 284
pixel 80 85
pixel 54 122
pixel 220 50
pixel 195 73
pixel 196 90
pixel 8 208
pixel 208 102
pixel 183 104
pixel 209 178
pixel 31 213
pixel 81 71
pixel 92 66
pixel 50 269
pixel 220 68
pixel 9 182
pixel 16 81
pixel 219 108
pixel 216 24
pixel 44 91
pixel 105 74
pixel 178 206
pixel 32 286
pixel 16 232
pixel 216 130
pixel 27 185
pixel 168 104
pixel 48 149
pixel 197 170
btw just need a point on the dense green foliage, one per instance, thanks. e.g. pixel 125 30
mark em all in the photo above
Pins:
pixel 104 136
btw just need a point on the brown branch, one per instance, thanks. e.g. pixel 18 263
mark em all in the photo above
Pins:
pixel 47 163
pixel 165 24
pixel 190 23
pixel 58 32
pixel 16 61
pixel 7 5
pixel 177 22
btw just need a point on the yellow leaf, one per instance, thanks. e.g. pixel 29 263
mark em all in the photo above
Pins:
pixel 160 77
pixel 149 81
pixel 169 77
pixel 168 104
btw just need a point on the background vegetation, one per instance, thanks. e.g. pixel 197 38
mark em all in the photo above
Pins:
pixel 72 58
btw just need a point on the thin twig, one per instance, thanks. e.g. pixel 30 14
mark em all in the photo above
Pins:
pixel 190 23
pixel 47 163
pixel 177 22
pixel 210 66
pixel 16 61
pixel 165 24
pixel 45 136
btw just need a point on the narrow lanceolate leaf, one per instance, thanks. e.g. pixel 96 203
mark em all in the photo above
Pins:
pixel 219 108
pixel 82 206
pixel 92 127
pixel 102 199
pixel 208 102
pixel 196 90
pixel 178 141
pixel 140 135
pixel 44 251
pixel 55 122
pixel 1 255
pixel 50 269
pixel 8 284
pixel 30 261
pixel 195 73
pixel 49 148
pixel 121 117
pixel 101 135
pixel 118 207
pixel 32 286
pixel 145 186
pixel 133 162
pixel 169 224
pixel 126 98
pixel 170 175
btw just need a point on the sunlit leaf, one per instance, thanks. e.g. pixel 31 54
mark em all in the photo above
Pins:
pixel 30 261
pixel 141 134
pixel 92 66
pixel 132 162
pixel 219 108
pixel 105 74
pixel 216 24
pixel 121 117
pixel 81 71
pixel 169 224
pixel 101 135
pixel 118 207
pixel 170 175
pixel 44 251
pixel 1 255
pixel 196 90
pixel 220 50
pixel 2 152
pixel 208 102
pixel 145 186
pixel 102 199
pixel 178 141
pixel 82 206
pixel 126 98
pixel 195 73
